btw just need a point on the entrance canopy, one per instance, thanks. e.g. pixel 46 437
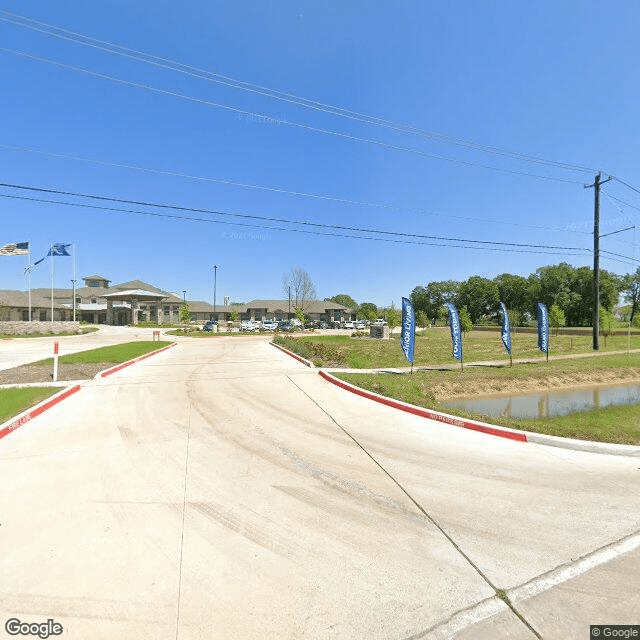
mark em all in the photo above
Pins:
pixel 133 297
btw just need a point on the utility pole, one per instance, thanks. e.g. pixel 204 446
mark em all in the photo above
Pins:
pixel 596 258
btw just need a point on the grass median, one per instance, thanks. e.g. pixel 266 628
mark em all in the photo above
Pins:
pixel 15 401
pixel 434 347
pixel 115 354
pixel 619 424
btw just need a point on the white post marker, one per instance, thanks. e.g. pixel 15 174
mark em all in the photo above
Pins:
pixel 55 361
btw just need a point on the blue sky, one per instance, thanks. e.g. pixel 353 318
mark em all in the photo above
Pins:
pixel 552 80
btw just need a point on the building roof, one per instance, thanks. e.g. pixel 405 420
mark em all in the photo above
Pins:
pixel 137 294
pixel 96 278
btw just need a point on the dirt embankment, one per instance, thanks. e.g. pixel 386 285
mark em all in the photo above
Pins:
pixel 470 385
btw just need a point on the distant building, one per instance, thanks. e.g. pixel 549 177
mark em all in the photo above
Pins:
pixel 137 301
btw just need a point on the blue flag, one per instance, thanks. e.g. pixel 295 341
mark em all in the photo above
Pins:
pixel 506 332
pixel 543 328
pixel 408 336
pixel 59 250
pixel 456 334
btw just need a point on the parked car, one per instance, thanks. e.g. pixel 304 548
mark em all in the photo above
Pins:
pixel 248 325
pixel 285 325
pixel 360 325
pixel 209 325
pixel 349 324
pixel 269 325
pixel 323 325
pixel 295 322
pixel 379 322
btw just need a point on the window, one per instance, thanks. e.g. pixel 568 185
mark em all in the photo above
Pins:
pixel 43 316
pixel 78 300
pixel 25 315
pixel 94 300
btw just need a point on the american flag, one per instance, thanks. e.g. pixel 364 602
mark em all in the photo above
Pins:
pixel 15 249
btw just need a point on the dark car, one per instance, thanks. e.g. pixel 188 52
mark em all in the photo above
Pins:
pixel 209 325
pixel 284 325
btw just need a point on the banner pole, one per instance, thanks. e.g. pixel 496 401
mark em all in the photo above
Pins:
pixel 29 278
pixel 51 258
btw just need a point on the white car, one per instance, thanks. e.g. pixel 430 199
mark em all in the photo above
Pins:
pixel 248 325
pixel 360 325
pixel 269 325
pixel 349 324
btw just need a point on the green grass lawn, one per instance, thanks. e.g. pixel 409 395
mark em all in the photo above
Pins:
pixel 114 354
pixel 435 348
pixel 15 401
pixel 620 425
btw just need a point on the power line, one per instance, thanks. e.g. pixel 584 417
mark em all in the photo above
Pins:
pixel 300 125
pixel 493 245
pixel 179 67
pixel 626 184
pixel 280 190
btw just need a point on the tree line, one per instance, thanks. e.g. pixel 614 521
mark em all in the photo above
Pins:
pixel 567 291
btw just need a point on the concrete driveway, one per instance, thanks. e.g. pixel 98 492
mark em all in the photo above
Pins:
pixel 18 351
pixel 223 490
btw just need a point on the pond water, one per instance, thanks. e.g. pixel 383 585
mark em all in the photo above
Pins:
pixel 551 403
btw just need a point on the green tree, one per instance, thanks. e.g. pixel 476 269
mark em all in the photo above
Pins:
pixel 393 319
pixel 368 311
pixel 607 322
pixel 422 319
pixel 233 316
pixel 432 298
pixel 466 324
pixel 556 317
pixel 185 314
pixel 480 296
pixel 515 292
pixel 630 289
pixel 300 314
pixel 345 300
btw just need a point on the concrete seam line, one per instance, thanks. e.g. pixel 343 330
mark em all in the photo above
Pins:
pixel 422 510
pixel 462 619
pixel 118 367
pixel 568 571
pixel 29 414
pixel 304 361
pixel 427 413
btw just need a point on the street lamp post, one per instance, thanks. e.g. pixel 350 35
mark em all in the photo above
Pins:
pixel 215 283
pixel 74 299
pixel 184 296
pixel 289 318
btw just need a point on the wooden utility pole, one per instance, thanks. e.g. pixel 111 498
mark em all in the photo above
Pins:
pixel 596 258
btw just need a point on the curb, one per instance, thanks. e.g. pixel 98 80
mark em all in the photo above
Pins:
pixel 29 414
pixel 118 367
pixel 502 432
pixel 304 361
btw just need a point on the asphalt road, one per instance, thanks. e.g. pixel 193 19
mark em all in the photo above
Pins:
pixel 223 490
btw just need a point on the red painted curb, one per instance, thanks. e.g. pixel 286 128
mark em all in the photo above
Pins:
pixel 293 355
pixel 108 372
pixel 426 413
pixel 41 408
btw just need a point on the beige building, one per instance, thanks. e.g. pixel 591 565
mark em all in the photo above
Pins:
pixel 99 302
